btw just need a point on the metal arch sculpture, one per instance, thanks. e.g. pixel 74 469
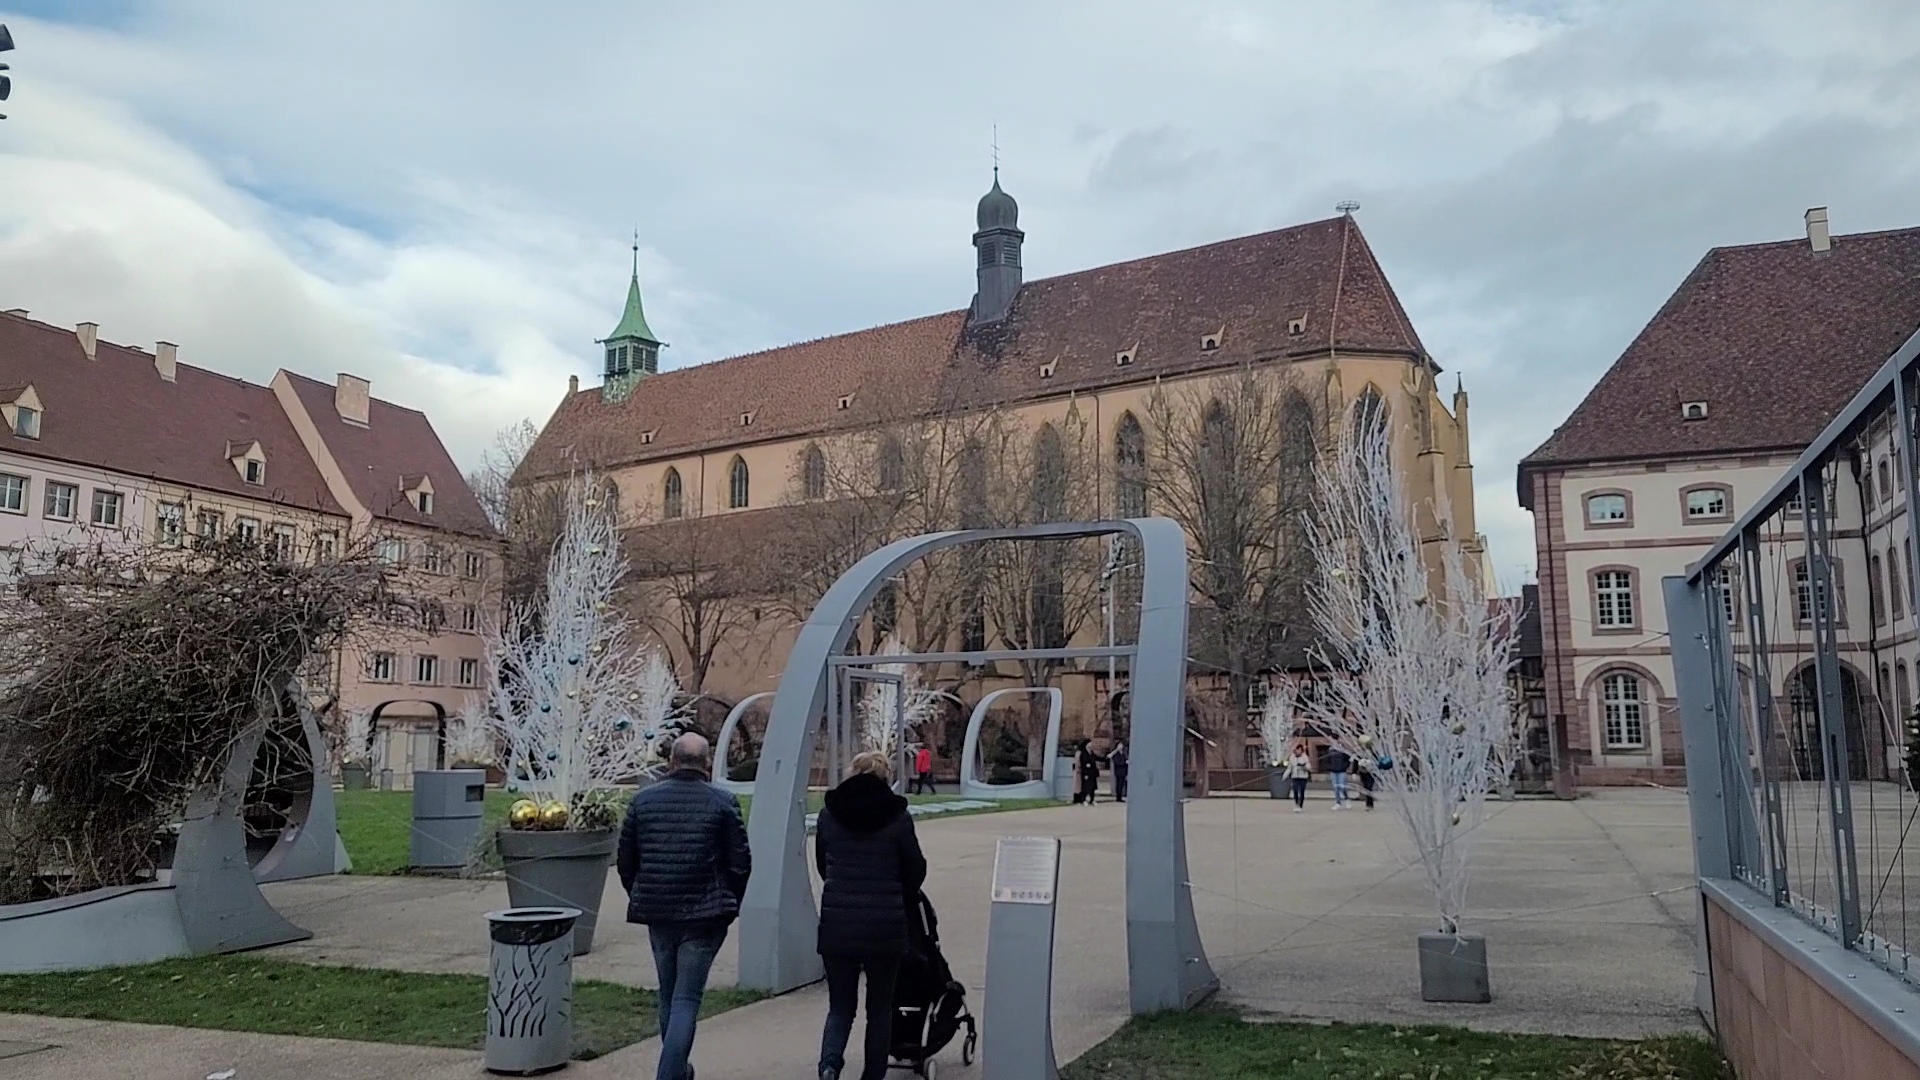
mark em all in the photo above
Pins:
pixel 1167 964
pixel 724 741
pixel 310 846
pixel 1042 788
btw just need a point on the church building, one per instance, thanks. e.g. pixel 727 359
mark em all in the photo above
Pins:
pixel 737 441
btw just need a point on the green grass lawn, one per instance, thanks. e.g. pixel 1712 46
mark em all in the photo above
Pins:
pixel 1218 1044
pixel 375 825
pixel 241 993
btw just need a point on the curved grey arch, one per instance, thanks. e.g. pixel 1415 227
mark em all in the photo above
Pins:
pixel 970 750
pixel 1167 964
pixel 221 906
pixel 310 846
pixel 725 740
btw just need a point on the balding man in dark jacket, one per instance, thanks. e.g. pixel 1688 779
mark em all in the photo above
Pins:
pixel 684 863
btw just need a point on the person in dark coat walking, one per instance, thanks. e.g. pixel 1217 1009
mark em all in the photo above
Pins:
pixel 1088 766
pixel 683 861
pixel 871 870
pixel 1117 758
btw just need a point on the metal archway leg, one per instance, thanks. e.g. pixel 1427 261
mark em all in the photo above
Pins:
pixel 311 846
pixel 221 906
pixel 724 742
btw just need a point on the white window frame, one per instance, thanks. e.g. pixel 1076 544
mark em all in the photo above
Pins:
pixel 326 545
pixel 423 501
pixel 1623 713
pixel 107 503
pixel 26 422
pixel 473 564
pixel 209 524
pixel 284 537
pixel 247 529
pixel 469 671
pixel 426 669
pixel 170 523
pixel 470 617
pixel 375 665
pixel 393 551
pixel 18 494
pixel 1622 613
pixel 54 489
pixel 1726 504
pixel 1626 509
pixel 254 472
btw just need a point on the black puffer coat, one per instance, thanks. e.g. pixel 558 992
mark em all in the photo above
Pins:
pixel 683 853
pixel 869 858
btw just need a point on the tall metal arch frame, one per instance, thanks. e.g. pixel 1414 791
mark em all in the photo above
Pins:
pixel 1167 964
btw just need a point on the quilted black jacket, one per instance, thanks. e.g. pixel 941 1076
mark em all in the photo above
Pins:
pixel 870 863
pixel 683 853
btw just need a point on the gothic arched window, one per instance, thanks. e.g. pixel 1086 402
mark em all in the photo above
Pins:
pixel 1369 415
pixel 738 485
pixel 892 464
pixel 813 473
pixel 1049 475
pixel 1130 468
pixel 672 495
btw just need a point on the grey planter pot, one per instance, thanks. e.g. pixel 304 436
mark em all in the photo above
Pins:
pixel 1454 969
pixel 355 777
pixel 1277 783
pixel 565 868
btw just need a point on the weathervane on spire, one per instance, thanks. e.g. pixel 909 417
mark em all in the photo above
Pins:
pixel 1347 207
pixel 636 251
pixel 996 153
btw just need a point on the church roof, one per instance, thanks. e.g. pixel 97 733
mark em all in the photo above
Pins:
pixel 633 321
pixel 1294 292
pixel 1775 338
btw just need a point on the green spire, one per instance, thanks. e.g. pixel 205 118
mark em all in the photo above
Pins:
pixel 633 322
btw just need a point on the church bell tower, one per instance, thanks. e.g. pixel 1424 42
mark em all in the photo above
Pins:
pixel 633 353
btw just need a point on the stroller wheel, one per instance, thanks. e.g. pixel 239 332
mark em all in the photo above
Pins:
pixel 966 1048
pixel 930 1069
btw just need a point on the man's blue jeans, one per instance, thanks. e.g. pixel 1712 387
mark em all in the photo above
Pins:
pixel 683 957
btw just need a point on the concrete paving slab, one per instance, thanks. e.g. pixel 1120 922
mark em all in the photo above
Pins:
pixel 1586 907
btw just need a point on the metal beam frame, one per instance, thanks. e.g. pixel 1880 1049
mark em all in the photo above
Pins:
pixel 1818 537
pixel 1167 964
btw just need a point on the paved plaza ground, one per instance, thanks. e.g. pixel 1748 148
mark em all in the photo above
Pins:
pixel 1587 907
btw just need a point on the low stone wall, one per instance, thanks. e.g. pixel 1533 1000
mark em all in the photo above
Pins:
pixel 1790 1011
pixel 1631 776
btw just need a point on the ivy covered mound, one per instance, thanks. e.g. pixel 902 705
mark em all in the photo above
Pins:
pixel 129 673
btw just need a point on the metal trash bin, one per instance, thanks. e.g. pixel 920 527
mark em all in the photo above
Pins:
pixel 529 990
pixel 447 808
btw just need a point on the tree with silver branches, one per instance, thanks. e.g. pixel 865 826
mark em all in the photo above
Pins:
pixel 1417 659
pixel 576 703
pixel 884 703
pixel 1278 718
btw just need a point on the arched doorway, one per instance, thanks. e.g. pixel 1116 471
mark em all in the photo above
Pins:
pixel 1803 724
pixel 409 738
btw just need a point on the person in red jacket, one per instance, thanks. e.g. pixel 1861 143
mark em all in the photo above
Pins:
pixel 923 770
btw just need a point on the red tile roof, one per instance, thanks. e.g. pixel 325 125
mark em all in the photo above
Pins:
pixel 1775 338
pixel 1252 288
pixel 114 412
pixel 392 452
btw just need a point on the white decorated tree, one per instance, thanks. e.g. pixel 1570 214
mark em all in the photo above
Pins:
pixel 1278 718
pixel 1417 657
pixel 470 737
pixel 576 703
pixel 883 703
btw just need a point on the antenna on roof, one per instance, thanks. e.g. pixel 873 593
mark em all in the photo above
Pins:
pixel 1346 207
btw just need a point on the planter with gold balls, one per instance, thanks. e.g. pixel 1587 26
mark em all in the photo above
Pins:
pixel 552 863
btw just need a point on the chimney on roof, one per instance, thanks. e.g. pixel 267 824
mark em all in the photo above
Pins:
pixel 164 355
pixel 350 396
pixel 1817 235
pixel 573 385
pixel 89 335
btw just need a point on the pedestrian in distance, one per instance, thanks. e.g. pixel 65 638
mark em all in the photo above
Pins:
pixel 1117 758
pixel 683 861
pixel 923 771
pixel 1339 762
pixel 871 870
pixel 1299 771
pixel 1088 765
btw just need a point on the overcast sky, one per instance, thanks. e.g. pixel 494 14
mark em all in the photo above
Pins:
pixel 440 195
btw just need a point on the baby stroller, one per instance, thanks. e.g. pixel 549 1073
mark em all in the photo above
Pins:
pixel 929 1006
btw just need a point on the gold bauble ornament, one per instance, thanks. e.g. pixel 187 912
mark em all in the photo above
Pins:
pixel 1456 817
pixel 553 816
pixel 1459 728
pixel 1366 740
pixel 524 814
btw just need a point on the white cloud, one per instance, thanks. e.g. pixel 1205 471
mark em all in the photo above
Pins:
pixel 436 194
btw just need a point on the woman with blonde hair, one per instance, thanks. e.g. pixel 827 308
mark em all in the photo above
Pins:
pixel 871 870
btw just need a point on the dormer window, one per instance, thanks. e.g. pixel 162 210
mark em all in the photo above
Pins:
pixel 20 407
pixel 248 460
pixel 419 492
